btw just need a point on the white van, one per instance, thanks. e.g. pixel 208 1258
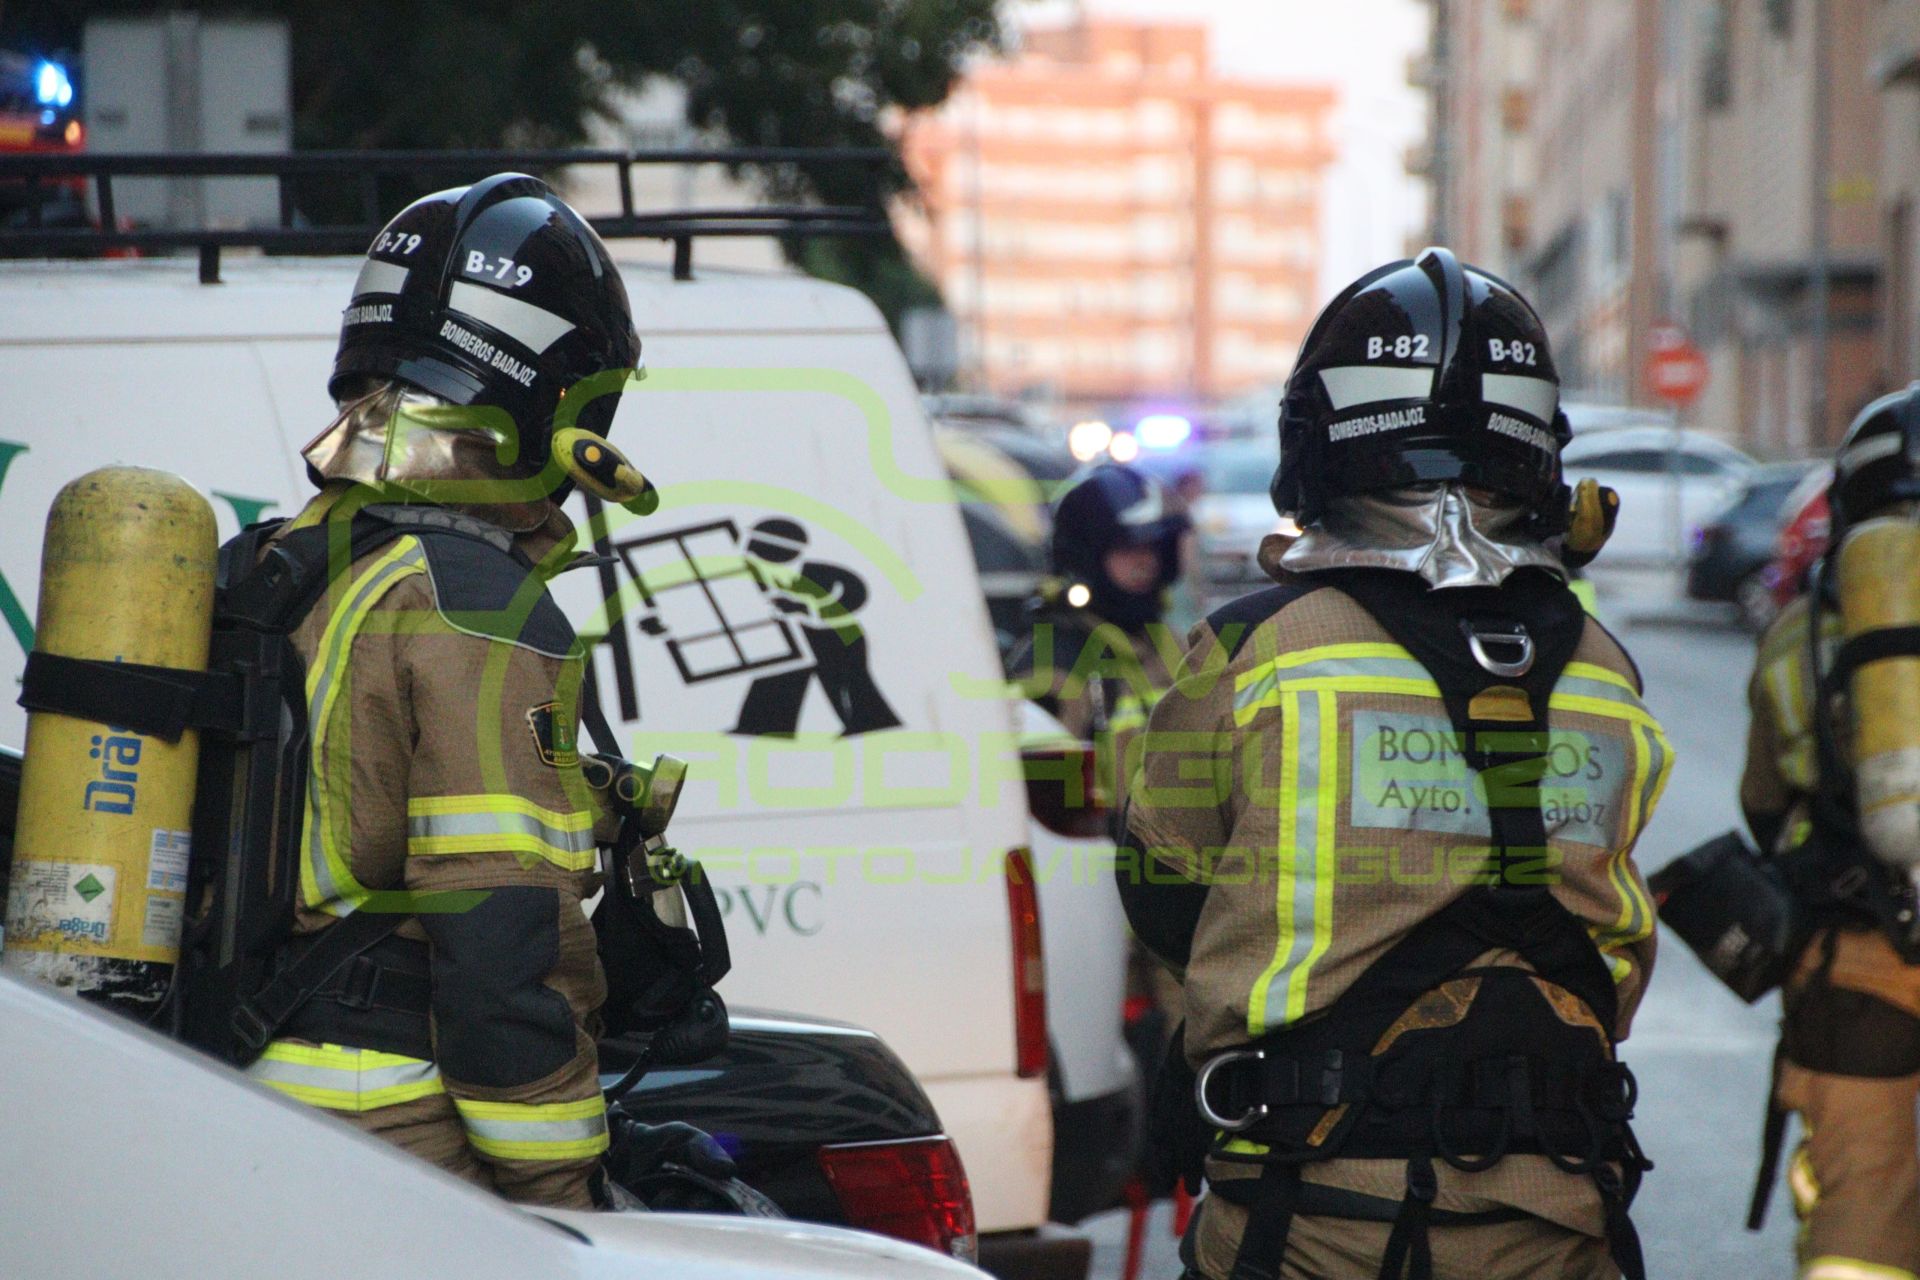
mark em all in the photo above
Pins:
pixel 857 806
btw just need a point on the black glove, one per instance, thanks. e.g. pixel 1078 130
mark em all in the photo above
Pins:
pixel 1177 1137
pixel 636 1151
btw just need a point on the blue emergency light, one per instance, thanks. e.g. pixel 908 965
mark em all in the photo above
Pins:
pixel 52 86
pixel 1163 431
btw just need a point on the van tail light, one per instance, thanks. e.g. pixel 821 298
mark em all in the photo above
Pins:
pixel 1063 790
pixel 1029 968
pixel 914 1190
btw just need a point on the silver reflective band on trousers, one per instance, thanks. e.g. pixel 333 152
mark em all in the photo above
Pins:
pixel 1434 530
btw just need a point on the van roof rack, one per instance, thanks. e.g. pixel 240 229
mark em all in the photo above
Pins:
pixel 366 168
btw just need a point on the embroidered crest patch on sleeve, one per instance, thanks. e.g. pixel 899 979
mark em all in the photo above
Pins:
pixel 553 736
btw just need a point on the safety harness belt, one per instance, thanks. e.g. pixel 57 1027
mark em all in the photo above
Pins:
pixel 1366 1080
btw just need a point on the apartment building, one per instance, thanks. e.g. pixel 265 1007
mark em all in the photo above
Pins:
pixel 1720 164
pixel 1110 220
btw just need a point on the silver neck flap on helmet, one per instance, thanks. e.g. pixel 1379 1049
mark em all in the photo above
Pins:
pixel 1438 531
pixel 416 447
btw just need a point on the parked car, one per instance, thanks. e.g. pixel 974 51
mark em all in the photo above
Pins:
pixel 1733 551
pixel 1804 530
pixel 127 1154
pixel 872 867
pixel 1234 512
pixel 1649 466
pixel 821 1117
pixel 824 1120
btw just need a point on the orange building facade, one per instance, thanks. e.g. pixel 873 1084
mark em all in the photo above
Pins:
pixel 1109 220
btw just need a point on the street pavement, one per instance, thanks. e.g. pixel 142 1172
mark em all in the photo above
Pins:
pixel 1702 1057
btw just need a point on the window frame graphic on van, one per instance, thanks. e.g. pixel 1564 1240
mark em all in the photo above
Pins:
pixel 697 573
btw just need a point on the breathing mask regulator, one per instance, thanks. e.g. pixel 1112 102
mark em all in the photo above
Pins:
pixel 1421 431
pixel 1103 509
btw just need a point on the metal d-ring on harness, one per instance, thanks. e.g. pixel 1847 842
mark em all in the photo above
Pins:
pixel 1425 1058
pixel 1512 637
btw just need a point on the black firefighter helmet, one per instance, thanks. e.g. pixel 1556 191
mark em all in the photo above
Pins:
pixel 1422 371
pixel 1879 461
pixel 496 295
pixel 1105 508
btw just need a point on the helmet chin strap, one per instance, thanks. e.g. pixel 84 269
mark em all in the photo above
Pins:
pixel 1437 531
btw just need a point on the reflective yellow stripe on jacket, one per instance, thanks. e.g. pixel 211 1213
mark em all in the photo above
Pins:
pixel 1852 1269
pixel 1307 686
pixel 536 1130
pixel 326 881
pixel 342 1079
pixel 499 824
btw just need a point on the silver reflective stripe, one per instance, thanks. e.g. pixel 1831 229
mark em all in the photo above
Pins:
pixel 1536 397
pixel 380 277
pixel 1349 385
pixel 1146 511
pixel 1588 687
pixel 584 1129
pixel 353 1080
pixel 1269 680
pixel 497 824
pixel 533 327
pixel 1871 449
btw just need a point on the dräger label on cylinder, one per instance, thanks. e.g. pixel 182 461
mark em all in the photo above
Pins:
pixel 161 925
pixel 56 902
pixel 167 855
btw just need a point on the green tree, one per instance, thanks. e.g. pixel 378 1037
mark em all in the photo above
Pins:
pixel 490 73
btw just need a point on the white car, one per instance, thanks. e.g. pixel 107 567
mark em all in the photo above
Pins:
pixel 1670 483
pixel 1234 512
pixel 863 862
pixel 126 1154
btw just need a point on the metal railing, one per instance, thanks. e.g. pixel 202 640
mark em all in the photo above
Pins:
pixel 31 236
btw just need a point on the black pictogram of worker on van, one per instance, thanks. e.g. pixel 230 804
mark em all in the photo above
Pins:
pixel 727 606
pixel 822 598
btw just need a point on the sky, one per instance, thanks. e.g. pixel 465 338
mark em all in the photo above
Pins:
pixel 1362 48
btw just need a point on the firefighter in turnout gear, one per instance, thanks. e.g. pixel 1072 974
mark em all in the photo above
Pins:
pixel 1099 657
pixel 1384 826
pixel 445 794
pixel 1829 789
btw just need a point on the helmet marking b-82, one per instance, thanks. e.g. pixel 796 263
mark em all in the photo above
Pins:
pixel 1424 371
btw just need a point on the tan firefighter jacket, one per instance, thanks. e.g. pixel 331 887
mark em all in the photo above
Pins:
pixel 444 763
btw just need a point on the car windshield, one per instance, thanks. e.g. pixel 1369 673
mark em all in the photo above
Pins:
pixel 1239 468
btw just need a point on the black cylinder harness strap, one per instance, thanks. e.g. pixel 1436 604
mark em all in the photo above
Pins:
pixel 1424 1058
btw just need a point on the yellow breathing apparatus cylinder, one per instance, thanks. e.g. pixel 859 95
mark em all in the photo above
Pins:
pixel 1879 585
pixel 98 890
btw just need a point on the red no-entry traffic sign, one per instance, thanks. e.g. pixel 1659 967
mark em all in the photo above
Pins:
pixel 1676 370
